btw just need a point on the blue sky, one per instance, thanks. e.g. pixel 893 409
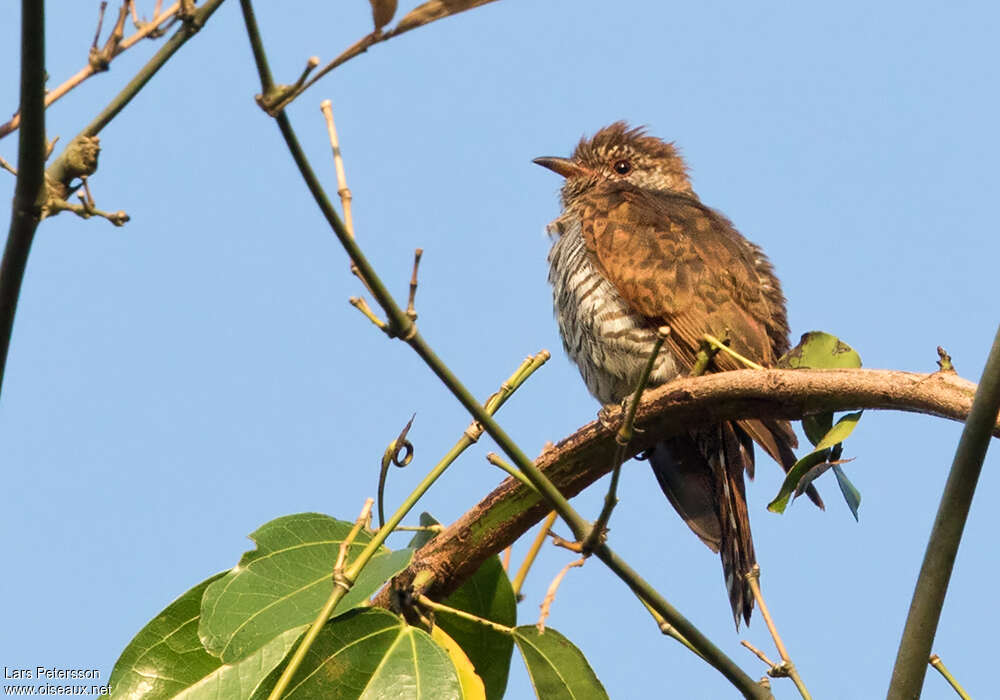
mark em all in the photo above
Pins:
pixel 175 383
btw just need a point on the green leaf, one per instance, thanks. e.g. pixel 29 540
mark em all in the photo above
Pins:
pixel 487 594
pixel 819 350
pixel 283 584
pixel 472 684
pixel 371 654
pixel 422 537
pixel 840 431
pixel 851 494
pixel 837 434
pixel 813 474
pixel 166 659
pixel 815 427
pixel 558 670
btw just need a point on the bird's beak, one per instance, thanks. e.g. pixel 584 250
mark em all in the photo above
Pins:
pixel 561 166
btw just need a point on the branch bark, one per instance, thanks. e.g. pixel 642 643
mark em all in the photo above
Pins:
pixel 26 210
pixel 585 456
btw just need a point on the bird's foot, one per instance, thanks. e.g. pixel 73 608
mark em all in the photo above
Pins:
pixel 611 415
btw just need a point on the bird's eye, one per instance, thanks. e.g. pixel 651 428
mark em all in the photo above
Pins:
pixel 622 167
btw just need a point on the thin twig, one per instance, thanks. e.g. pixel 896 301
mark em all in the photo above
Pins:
pixel 100 23
pixel 411 310
pixel 550 594
pixel 356 49
pixel 622 439
pixel 441 607
pixel 497 461
pixel 342 189
pixel 8 167
pixel 99 59
pixel 362 306
pixel 87 71
pixel 418 528
pixel 786 667
pixel 529 558
pixel 338 567
pixel 758 653
pixel 505 560
pixel 338 161
pixel 721 346
pixel 936 662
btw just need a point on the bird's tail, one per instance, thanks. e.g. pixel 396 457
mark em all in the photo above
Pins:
pixel 701 474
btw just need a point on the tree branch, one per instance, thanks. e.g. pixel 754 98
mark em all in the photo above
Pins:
pixel 946 535
pixel 585 456
pixel 59 171
pixel 29 194
pixel 26 212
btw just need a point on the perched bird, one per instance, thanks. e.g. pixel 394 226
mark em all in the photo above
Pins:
pixel 635 249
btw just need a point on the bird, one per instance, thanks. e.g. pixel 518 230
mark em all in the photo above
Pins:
pixel 635 249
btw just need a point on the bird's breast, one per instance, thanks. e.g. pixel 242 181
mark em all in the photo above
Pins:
pixel 608 342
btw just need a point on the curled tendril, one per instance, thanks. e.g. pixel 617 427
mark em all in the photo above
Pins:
pixel 400 453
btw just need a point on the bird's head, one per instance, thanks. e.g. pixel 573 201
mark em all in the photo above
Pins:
pixel 618 153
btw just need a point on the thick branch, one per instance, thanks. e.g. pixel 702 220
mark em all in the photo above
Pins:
pixel 26 212
pixel 946 535
pixel 585 456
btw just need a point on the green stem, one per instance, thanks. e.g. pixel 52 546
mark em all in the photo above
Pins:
pixel 718 345
pixel 711 653
pixel 622 440
pixel 529 558
pixel 946 535
pixel 58 171
pixel 937 663
pixel 495 459
pixel 342 585
pixel 30 186
pixel 441 607
pixel 666 628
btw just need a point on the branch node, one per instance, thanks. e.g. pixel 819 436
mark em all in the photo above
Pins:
pixel 944 362
pixel 361 305
pixel 100 59
pixel 411 311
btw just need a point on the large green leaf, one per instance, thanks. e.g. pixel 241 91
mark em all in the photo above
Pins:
pixel 283 584
pixel 837 434
pixel 487 594
pixel 558 670
pixel 166 659
pixel 371 654
pixel 819 350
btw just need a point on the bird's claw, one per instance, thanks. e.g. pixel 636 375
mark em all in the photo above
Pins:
pixel 611 415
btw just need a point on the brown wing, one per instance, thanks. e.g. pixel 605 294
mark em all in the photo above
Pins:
pixel 682 264
pixel 679 263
